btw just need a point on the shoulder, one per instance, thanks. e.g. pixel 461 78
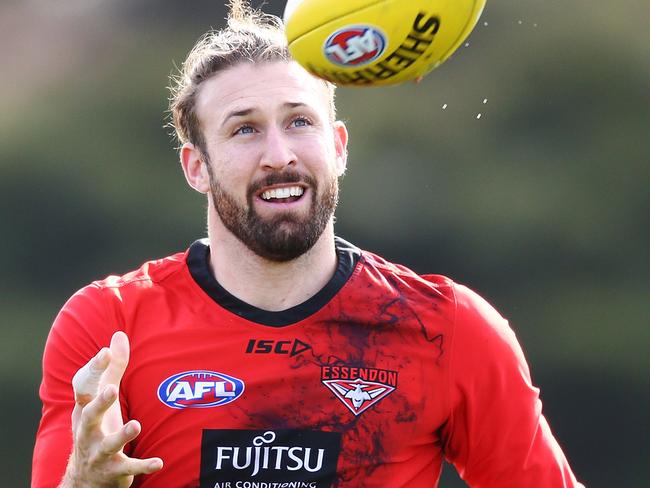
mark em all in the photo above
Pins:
pixel 479 325
pixel 484 350
pixel 475 311
pixel 469 307
pixel 148 274
pixel 474 320
pixel 399 279
pixel 100 301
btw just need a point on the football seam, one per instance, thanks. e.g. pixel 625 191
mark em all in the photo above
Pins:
pixel 331 20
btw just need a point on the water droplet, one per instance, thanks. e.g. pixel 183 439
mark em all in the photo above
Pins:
pixel 444 106
pixel 519 22
pixel 467 44
pixel 534 25
pixel 484 101
pixel 485 24
pixel 478 116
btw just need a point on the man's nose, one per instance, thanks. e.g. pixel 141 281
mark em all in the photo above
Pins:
pixel 277 151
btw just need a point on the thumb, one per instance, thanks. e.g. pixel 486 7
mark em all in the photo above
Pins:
pixel 85 382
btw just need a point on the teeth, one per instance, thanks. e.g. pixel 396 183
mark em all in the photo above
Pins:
pixel 286 192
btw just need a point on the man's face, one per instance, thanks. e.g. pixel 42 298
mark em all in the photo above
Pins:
pixel 274 156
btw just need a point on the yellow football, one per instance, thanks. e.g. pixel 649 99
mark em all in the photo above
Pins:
pixel 376 42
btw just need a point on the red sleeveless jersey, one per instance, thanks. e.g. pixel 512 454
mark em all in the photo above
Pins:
pixel 372 382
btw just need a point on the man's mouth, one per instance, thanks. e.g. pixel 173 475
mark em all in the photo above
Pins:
pixel 283 194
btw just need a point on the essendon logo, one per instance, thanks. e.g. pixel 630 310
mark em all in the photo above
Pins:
pixel 359 388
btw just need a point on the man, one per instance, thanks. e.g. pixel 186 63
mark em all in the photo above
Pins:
pixel 274 354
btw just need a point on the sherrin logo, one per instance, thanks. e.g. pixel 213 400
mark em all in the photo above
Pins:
pixel 199 389
pixel 355 45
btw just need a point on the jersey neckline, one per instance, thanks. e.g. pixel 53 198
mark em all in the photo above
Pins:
pixel 198 257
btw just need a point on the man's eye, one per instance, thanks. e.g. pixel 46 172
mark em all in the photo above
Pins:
pixel 301 122
pixel 245 129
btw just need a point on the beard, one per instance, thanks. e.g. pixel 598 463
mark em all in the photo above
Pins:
pixel 284 236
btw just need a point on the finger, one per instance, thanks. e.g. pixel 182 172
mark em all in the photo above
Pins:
pixel 85 382
pixel 114 443
pixel 76 416
pixel 135 467
pixel 119 359
pixel 93 413
pixel 119 348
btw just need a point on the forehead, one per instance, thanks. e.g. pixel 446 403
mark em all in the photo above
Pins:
pixel 264 86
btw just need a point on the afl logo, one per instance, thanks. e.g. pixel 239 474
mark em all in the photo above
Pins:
pixel 199 389
pixel 355 45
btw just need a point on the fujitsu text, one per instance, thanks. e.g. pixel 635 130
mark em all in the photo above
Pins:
pixel 259 457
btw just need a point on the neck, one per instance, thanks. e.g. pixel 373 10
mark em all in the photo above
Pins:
pixel 270 285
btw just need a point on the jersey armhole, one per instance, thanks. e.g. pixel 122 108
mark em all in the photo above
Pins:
pixel 449 428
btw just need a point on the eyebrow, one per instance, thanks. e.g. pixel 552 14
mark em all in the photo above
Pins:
pixel 236 113
pixel 247 111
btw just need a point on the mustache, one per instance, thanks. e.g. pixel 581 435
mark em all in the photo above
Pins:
pixel 284 177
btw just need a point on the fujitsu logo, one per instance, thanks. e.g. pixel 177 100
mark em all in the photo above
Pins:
pixel 262 456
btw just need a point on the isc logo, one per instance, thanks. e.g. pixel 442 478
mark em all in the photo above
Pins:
pixel 355 45
pixel 199 389
pixel 264 346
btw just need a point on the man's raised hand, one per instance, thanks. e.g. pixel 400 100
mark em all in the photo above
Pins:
pixel 99 433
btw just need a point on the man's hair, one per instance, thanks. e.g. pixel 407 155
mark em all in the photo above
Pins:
pixel 250 36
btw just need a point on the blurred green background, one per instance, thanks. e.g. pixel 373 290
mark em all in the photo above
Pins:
pixel 541 204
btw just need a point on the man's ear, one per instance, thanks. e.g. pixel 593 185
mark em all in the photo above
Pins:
pixel 194 168
pixel 341 146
